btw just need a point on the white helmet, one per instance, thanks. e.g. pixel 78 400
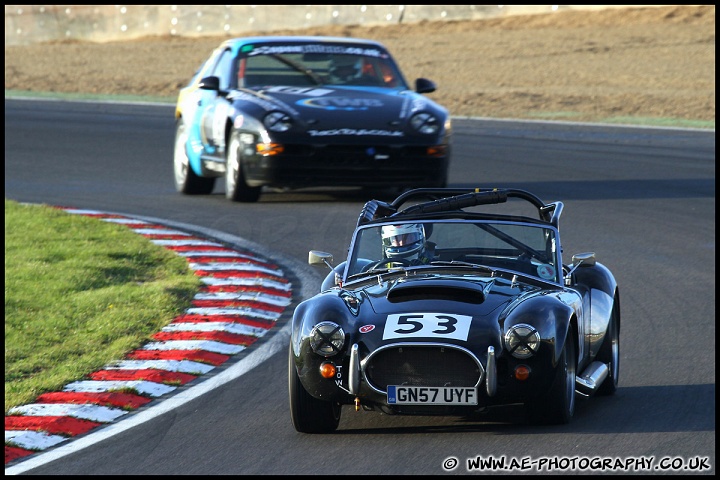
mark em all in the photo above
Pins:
pixel 345 67
pixel 403 241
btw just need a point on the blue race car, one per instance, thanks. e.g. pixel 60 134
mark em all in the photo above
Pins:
pixel 303 111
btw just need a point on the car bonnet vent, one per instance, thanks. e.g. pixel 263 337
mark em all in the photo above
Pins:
pixel 431 290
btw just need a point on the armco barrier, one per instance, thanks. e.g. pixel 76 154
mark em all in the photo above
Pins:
pixel 29 24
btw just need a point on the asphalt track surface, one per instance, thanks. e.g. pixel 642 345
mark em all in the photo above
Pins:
pixel 642 198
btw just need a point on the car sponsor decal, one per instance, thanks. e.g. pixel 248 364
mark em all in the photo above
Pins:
pixel 367 328
pixel 343 49
pixel 341 103
pixel 404 111
pixel 418 104
pixel 353 131
pixel 412 105
pixel 268 106
pixel 220 116
pixel 427 325
pixel 313 92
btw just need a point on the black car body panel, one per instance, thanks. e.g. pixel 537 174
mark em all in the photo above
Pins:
pixel 514 326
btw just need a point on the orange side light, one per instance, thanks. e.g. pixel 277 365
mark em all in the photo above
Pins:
pixel 437 151
pixel 327 370
pixel 522 372
pixel 267 149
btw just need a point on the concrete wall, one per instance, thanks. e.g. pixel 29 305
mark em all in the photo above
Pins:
pixel 28 24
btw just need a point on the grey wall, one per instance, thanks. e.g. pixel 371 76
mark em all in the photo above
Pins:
pixel 28 24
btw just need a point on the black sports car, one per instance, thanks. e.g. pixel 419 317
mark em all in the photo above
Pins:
pixel 295 112
pixel 449 303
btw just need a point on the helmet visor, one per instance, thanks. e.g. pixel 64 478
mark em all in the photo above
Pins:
pixel 402 239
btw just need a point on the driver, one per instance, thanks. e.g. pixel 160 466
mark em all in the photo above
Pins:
pixel 407 242
pixel 345 68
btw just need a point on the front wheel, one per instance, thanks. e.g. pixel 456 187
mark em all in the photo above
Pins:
pixel 308 414
pixel 186 180
pixel 236 188
pixel 557 406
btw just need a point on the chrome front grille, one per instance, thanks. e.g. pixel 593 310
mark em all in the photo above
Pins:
pixel 426 365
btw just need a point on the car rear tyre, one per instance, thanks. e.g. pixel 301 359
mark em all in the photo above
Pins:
pixel 310 415
pixel 557 406
pixel 186 180
pixel 236 188
pixel 610 352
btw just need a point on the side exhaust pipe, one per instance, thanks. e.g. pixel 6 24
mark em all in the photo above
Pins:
pixel 591 379
pixel 491 373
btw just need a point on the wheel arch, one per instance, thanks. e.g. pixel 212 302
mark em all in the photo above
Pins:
pixel 563 330
pixel 194 160
pixel 553 327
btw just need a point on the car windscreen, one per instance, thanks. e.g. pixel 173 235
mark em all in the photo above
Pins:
pixel 525 248
pixel 305 65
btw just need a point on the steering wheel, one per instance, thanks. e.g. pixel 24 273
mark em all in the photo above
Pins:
pixel 399 261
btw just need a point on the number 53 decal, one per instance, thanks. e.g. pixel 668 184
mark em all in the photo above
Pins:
pixel 424 325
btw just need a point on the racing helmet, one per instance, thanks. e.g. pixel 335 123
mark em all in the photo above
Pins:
pixel 345 67
pixel 403 241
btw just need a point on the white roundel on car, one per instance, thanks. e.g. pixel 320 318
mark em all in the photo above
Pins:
pixel 546 271
pixel 427 325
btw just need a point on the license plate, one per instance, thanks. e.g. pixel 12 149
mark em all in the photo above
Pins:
pixel 411 395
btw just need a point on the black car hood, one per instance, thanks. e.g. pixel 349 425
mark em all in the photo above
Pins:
pixel 467 310
pixel 476 296
pixel 329 111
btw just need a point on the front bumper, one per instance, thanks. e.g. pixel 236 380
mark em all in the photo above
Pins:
pixel 363 376
pixel 345 166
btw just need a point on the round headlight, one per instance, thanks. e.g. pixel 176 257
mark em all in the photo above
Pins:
pixel 277 122
pixel 522 340
pixel 327 338
pixel 425 123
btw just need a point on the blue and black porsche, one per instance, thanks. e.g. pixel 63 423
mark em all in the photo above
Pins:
pixel 450 303
pixel 304 111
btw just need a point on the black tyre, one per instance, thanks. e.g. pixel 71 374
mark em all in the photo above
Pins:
pixel 186 180
pixel 610 352
pixel 308 414
pixel 236 188
pixel 557 406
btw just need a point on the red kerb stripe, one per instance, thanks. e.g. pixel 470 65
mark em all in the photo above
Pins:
pixel 149 374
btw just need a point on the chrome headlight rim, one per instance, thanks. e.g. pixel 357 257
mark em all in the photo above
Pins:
pixel 425 123
pixel 522 340
pixel 277 121
pixel 327 339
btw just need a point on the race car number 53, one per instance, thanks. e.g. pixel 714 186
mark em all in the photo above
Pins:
pixel 427 325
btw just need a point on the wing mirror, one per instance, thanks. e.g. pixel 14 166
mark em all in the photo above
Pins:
pixel 580 260
pixel 333 278
pixel 316 257
pixel 423 85
pixel 209 83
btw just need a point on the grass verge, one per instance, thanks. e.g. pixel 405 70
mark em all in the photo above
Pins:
pixel 79 294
